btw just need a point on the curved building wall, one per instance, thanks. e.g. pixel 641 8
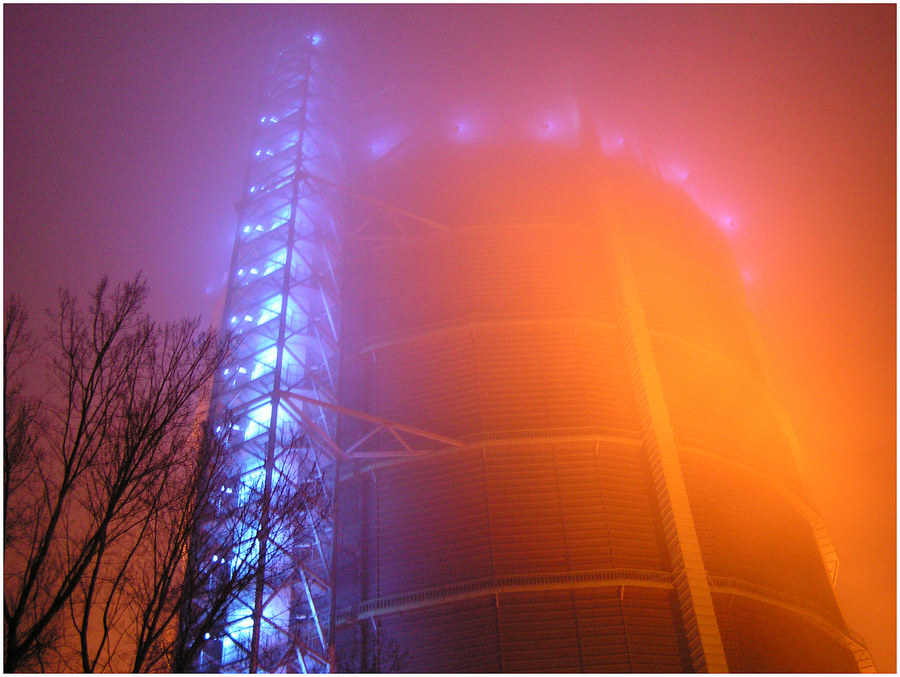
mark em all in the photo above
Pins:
pixel 545 541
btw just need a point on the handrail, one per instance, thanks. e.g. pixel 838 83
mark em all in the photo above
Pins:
pixel 763 591
pixel 820 533
pixel 584 431
pixel 639 577
pixel 811 610
pixel 499 583
pixel 479 320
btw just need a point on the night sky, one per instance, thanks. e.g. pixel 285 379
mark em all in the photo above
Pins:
pixel 127 131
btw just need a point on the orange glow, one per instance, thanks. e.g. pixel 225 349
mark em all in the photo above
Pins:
pixel 587 320
pixel 126 135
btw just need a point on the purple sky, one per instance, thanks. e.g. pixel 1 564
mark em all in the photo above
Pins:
pixel 127 130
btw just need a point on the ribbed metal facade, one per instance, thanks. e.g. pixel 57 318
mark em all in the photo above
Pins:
pixel 625 496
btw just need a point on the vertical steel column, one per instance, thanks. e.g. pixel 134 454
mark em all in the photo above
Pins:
pixel 283 302
pixel 690 576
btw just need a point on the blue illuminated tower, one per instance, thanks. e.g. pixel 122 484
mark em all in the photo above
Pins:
pixel 282 302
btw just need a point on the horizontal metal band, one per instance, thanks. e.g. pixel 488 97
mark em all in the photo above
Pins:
pixel 809 611
pixel 470 324
pixel 579 434
pixel 477 442
pixel 512 583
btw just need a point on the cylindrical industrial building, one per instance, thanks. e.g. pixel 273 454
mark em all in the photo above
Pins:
pixel 623 491
pixel 543 435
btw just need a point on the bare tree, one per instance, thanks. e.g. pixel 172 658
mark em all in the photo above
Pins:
pixel 131 527
pixel 84 466
pixel 171 585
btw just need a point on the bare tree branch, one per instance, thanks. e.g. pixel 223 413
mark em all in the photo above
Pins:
pixel 122 396
pixel 131 531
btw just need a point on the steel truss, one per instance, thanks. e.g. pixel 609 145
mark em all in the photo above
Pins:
pixel 282 300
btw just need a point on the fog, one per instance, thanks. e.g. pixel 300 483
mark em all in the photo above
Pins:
pixel 127 131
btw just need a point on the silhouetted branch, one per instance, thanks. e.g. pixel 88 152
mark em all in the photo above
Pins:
pixel 87 468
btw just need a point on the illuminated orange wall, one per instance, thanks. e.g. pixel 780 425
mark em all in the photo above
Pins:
pixel 541 543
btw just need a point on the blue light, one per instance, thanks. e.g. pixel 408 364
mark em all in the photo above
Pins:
pixel 553 129
pixel 259 423
pixel 315 39
pixel 675 174
pixel 270 309
pixel 265 362
pixel 276 262
pixel 387 142
pixel 380 148
pixel 727 223
pixel 464 130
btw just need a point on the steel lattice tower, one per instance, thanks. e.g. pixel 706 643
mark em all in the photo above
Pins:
pixel 282 302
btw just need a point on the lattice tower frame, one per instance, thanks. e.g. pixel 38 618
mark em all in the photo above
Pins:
pixel 282 300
